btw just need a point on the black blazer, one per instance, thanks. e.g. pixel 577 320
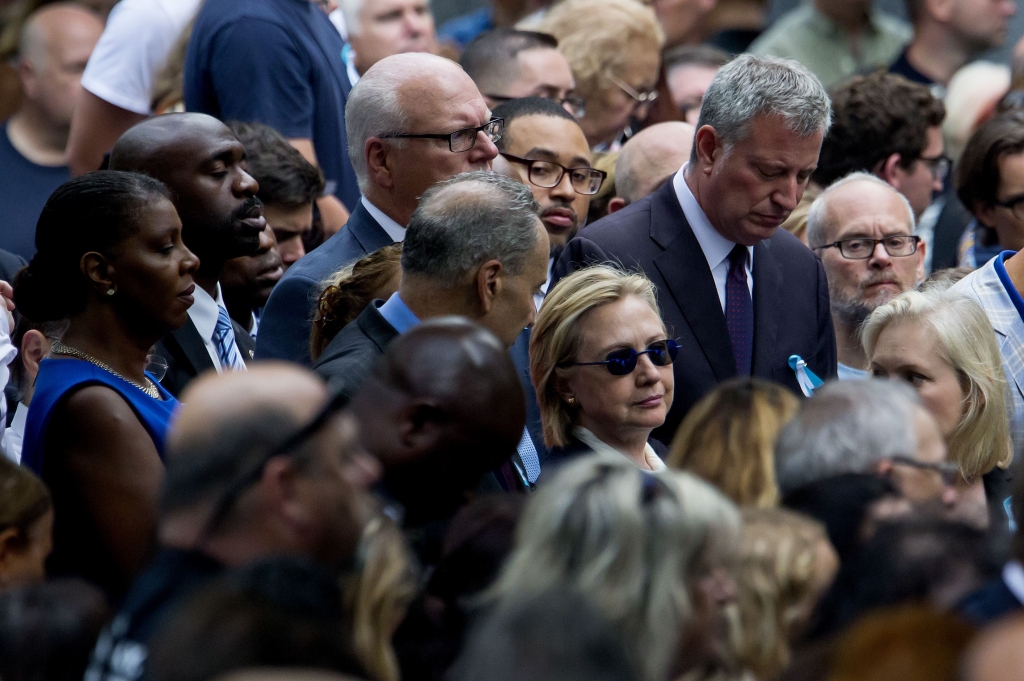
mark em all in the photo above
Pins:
pixel 286 322
pixel 10 263
pixel 349 357
pixel 791 307
pixel 989 603
pixel 187 357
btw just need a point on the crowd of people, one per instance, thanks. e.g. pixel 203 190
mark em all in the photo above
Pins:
pixel 572 339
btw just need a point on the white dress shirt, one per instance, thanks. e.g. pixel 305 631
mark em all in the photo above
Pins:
pixel 715 246
pixel 538 298
pixel 394 230
pixel 203 314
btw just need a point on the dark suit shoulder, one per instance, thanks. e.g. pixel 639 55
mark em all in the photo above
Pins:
pixel 785 245
pixel 351 354
pixel 10 263
pixel 610 229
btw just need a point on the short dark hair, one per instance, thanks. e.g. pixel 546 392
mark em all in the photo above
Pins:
pixel 527 106
pixel 977 173
pixel 699 55
pixel 875 116
pixel 490 58
pixel 94 212
pixel 285 177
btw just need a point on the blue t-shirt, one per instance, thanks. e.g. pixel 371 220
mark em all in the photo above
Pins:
pixel 276 62
pixel 24 189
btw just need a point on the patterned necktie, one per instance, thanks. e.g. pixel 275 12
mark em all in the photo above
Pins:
pixel 739 310
pixel 528 453
pixel 224 339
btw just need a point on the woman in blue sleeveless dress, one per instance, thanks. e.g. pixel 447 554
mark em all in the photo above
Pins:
pixel 111 261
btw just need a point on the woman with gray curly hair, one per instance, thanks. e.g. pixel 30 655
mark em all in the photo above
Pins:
pixel 647 549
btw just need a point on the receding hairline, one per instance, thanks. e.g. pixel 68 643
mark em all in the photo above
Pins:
pixel 38 30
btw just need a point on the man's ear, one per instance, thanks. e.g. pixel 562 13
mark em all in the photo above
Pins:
pixel 616 204
pixel 376 154
pixel 707 145
pixel 417 426
pixel 11 542
pixel 488 284
pixel 27 76
pixel 890 170
pixel 98 270
pixel 986 214
pixel 34 348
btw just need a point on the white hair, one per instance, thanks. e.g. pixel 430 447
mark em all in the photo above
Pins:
pixel 847 427
pixel 350 10
pixel 820 222
pixel 751 86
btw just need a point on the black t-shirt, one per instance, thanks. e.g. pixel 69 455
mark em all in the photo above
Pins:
pixel 24 189
pixel 122 649
pixel 903 67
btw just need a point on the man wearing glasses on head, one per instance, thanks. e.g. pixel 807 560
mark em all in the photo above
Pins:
pixel 863 231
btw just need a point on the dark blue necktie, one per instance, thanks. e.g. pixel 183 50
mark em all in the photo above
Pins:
pixel 739 310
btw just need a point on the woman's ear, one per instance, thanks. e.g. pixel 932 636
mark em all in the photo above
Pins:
pixel 98 270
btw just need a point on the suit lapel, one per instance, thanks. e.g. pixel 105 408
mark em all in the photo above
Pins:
pixel 689 282
pixel 767 294
pixel 193 346
pixel 367 231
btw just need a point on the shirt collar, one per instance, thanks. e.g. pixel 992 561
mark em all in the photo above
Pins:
pixel 715 246
pixel 204 312
pixel 394 230
pixel 1013 577
pixel 396 313
pixel 599 446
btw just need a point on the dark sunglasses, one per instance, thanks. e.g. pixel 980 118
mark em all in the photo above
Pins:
pixel 229 496
pixel 623 362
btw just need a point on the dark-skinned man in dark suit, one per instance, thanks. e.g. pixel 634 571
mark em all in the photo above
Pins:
pixel 739 295
pixel 395 118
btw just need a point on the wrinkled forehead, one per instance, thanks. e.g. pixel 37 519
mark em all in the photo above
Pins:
pixel 443 102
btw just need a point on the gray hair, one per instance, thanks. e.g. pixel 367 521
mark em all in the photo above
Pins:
pixel 466 220
pixel 350 10
pixel 751 86
pixel 373 109
pixel 846 427
pixel 628 540
pixel 819 219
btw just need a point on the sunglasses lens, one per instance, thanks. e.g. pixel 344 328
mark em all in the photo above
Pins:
pixel 621 362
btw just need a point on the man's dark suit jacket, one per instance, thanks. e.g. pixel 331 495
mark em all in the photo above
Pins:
pixel 187 357
pixel 350 356
pixel 287 318
pixel 992 601
pixel 791 308
pixel 10 263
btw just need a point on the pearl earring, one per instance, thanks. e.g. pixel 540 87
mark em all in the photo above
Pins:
pixel 110 291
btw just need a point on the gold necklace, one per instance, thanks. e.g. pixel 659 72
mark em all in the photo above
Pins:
pixel 149 388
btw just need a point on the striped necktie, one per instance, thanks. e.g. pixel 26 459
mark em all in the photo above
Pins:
pixel 224 340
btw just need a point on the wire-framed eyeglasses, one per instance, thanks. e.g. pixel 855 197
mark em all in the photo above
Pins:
pixel 461 140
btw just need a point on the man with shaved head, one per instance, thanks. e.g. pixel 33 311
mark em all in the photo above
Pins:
pixel 411 120
pixel 475 248
pixel 439 411
pixel 203 164
pixel 863 231
pixel 55 44
pixel 648 160
pixel 259 464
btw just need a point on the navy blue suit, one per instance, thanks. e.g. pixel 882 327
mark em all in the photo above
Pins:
pixel 791 306
pixel 287 319
pixel 989 603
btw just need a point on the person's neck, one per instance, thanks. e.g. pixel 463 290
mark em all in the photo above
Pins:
pixel 390 204
pixel 848 347
pixel 230 548
pixel 100 332
pixel 937 54
pixel 37 138
pixel 846 15
pixel 1015 269
pixel 632 443
pixel 207 276
pixel 426 300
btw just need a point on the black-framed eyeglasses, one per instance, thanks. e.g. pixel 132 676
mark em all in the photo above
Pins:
pixel 1015 204
pixel 939 166
pixel 461 140
pixel 622 362
pixel 338 401
pixel 640 99
pixel 950 472
pixel 548 174
pixel 862 248
pixel 574 104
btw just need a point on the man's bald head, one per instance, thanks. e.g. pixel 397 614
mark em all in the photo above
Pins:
pixel 997 654
pixel 649 157
pixel 54 46
pixel 158 144
pixel 443 406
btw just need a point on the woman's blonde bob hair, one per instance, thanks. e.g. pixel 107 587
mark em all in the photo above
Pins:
pixel 557 336
pixel 728 438
pixel 598 38
pixel 633 542
pixel 981 441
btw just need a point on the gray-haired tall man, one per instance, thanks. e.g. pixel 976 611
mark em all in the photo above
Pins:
pixel 739 295
pixel 412 120
pixel 474 248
